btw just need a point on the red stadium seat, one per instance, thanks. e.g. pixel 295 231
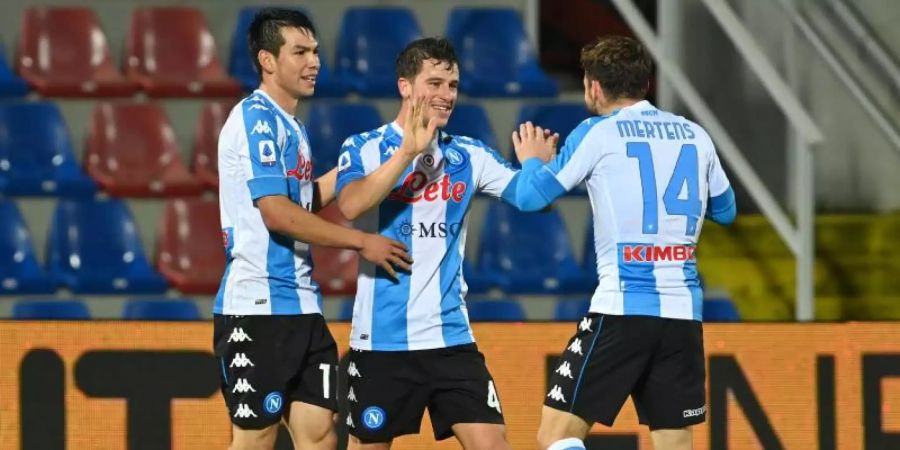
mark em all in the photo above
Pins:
pixel 204 163
pixel 335 269
pixel 189 249
pixel 63 52
pixel 171 53
pixel 131 152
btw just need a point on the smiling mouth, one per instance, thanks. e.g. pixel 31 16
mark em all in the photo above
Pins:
pixel 442 108
pixel 310 78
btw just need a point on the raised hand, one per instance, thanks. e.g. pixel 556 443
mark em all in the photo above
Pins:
pixel 386 253
pixel 534 142
pixel 416 134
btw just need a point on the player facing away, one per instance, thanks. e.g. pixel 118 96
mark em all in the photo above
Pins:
pixel 411 344
pixel 278 359
pixel 652 177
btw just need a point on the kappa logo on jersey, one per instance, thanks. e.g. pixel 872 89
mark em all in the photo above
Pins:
pixel 238 335
pixel 373 417
pixel 390 150
pixel 259 107
pixel 565 369
pixel 303 170
pixel 651 253
pixel 243 386
pixel 267 152
pixel 585 325
pixel 273 402
pixel 352 371
pixel 556 394
pixel 241 360
pixel 244 412
pixel 261 127
pixel 575 347
pixel 351 395
pixel 416 188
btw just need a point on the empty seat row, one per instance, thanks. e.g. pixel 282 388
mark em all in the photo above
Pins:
pixel 170 52
pixel 131 152
pixel 135 309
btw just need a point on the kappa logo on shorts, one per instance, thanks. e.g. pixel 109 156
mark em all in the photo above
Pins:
pixel 238 335
pixel 350 421
pixel 565 369
pixel 374 417
pixel 351 395
pixel 585 325
pixel 273 402
pixel 243 386
pixel 244 412
pixel 352 371
pixel 241 360
pixel 575 347
pixel 556 394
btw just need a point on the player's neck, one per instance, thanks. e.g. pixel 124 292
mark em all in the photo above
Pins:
pixel 617 104
pixel 401 116
pixel 281 98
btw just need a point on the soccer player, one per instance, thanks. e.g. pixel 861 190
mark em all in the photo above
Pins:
pixel 412 346
pixel 278 359
pixel 651 176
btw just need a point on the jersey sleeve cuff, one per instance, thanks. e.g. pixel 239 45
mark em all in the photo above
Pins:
pixel 265 186
pixel 344 179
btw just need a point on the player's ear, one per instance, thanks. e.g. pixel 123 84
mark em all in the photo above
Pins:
pixel 597 91
pixel 405 88
pixel 266 61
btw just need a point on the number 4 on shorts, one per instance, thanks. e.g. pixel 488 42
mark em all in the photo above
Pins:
pixel 492 399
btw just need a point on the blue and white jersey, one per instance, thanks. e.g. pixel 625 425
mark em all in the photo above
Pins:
pixel 263 150
pixel 650 175
pixel 427 210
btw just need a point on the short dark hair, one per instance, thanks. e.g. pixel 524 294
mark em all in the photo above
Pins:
pixel 621 64
pixel 265 30
pixel 409 61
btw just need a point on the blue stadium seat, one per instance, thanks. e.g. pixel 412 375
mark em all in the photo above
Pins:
pixel 11 85
pixel 561 118
pixel 471 120
pixel 93 247
pixel 19 269
pixel 495 310
pixel 476 282
pixel 346 312
pixel 720 310
pixel 529 252
pixel 568 310
pixel 330 123
pixel 496 58
pixel 160 309
pixel 37 153
pixel 50 310
pixel 368 44
pixel 241 67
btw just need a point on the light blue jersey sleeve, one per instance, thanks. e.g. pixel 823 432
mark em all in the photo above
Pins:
pixel 722 206
pixel 266 155
pixel 538 184
pixel 350 165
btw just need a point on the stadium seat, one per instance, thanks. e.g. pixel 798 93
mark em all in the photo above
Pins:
pixel 50 310
pixel 160 309
pixel 36 155
pixel 335 269
pixel 496 57
pixel 495 310
pixel 476 282
pixel 568 310
pixel 346 312
pixel 93 247
pixel 170 52
pixel 189 250
pixel 560 118
pixel 720 310
pixel 205 158
pixel 63 52
pixel 471 120
pixel 10 83
pixel 241 66
pixel 20 272
pixel 131 152
pixel 329 124
pixel 368 44
pixel 529 252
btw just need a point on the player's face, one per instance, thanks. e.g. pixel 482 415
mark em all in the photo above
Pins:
pixel 298 62
pixel 438 82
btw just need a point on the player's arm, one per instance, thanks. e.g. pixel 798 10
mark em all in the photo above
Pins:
pixel 539 184
pixel 361 192
pixel 323 190
pixel 722 207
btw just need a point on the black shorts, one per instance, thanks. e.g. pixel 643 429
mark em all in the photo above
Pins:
pixel 267 362
pixel 658 361
pixel 388 392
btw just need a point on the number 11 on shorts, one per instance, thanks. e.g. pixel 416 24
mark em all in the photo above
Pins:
pixel 492 400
